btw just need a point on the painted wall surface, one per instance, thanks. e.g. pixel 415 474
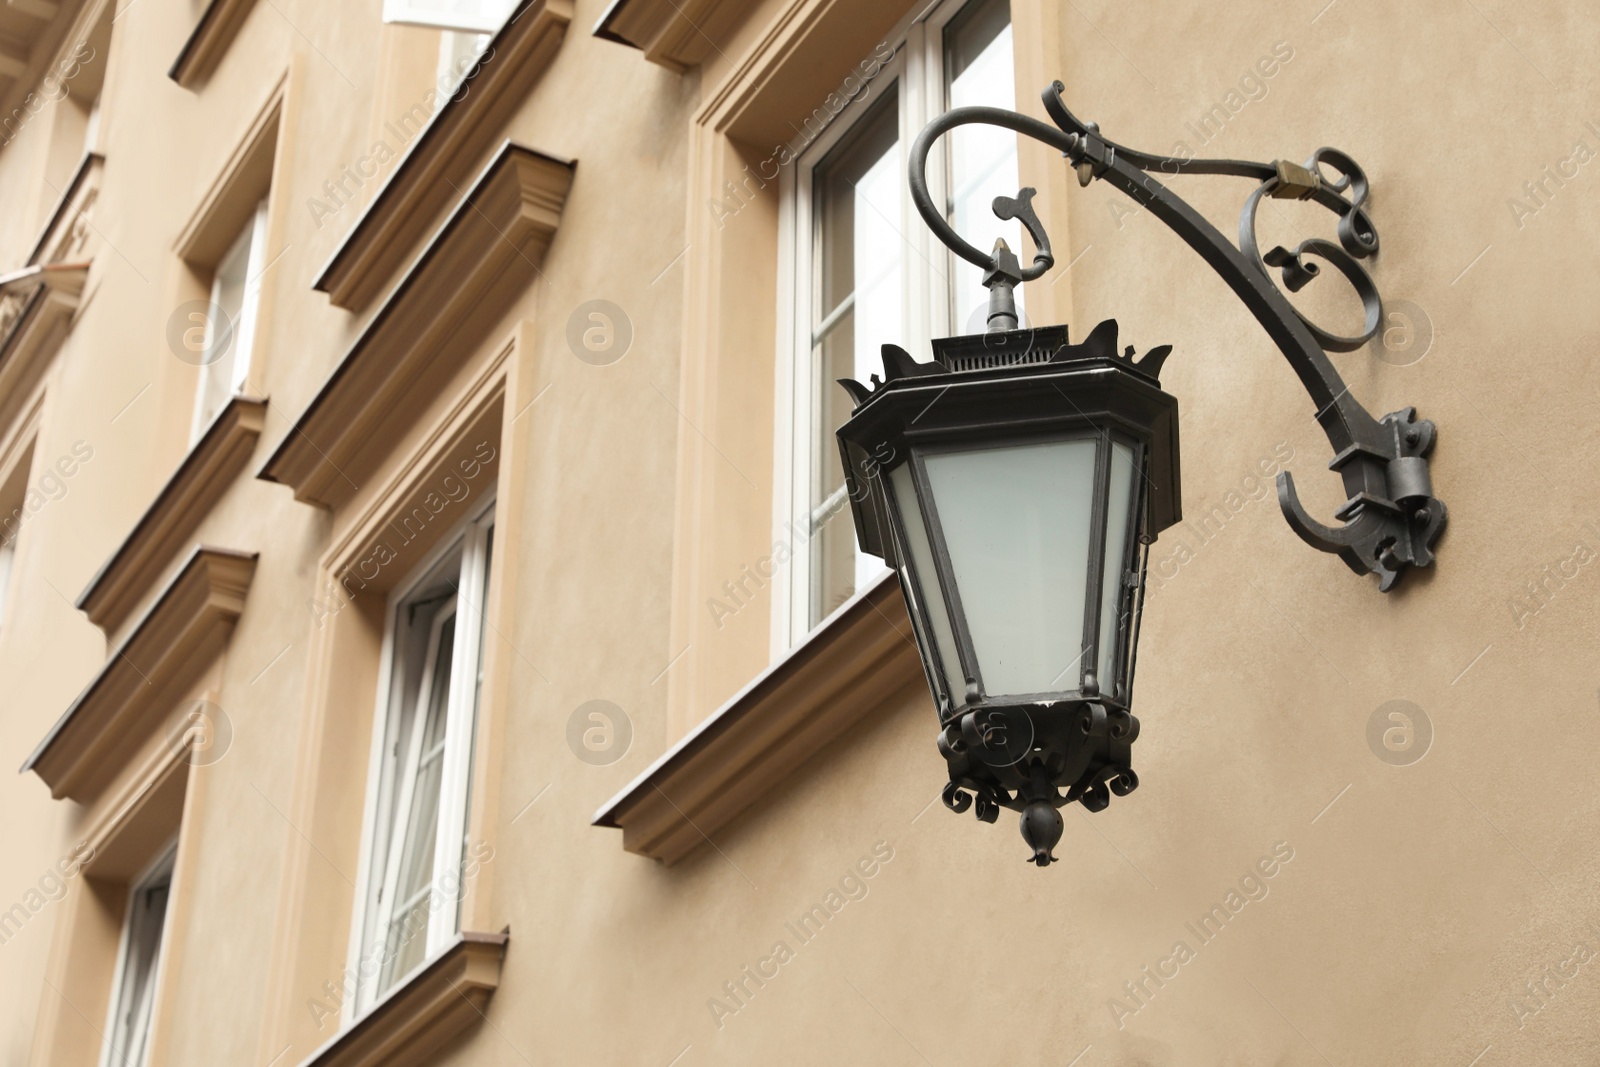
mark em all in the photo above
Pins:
pixel 1300 879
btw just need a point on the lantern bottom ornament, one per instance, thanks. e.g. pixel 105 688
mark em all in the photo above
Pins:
pixel 1082 747
pixel 1015 484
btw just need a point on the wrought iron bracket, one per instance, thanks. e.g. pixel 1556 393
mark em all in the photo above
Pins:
pixel 1391 518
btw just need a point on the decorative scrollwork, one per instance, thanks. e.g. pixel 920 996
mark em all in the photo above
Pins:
pixel 955 798
pixel 1390 520
pixel 1358 237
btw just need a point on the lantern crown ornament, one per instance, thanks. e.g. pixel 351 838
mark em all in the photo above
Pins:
pixel 1016 481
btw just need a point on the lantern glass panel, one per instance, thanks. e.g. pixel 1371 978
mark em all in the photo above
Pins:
pixel 1016 524
pixel 1119 526
pixel 923 582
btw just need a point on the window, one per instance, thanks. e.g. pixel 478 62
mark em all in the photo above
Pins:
pixel 8 556
pixel 468 25
pixel 864 271
pixel 422 760
pixel 231 322
pixel 13 514
pixel 127 1029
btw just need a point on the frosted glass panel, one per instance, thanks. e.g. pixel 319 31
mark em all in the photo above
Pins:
pixel 1016 526
pixel 925 585
pixel 1118 498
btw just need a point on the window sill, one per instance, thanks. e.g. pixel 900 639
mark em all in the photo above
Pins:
pixel 441 159
pixel 194 488
pixel 184 630
pixel 761 737
pixel 439 1001
pixel 212 35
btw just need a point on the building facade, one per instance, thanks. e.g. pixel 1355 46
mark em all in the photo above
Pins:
pixel 417 465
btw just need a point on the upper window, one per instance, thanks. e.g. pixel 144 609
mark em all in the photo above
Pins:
pixel 127 1032
pixel 468 25
pixel 13 513
pixel 231 325
pixel 410 907
pixel 865 273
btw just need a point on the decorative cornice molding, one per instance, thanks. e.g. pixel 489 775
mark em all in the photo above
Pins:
pixel 677 35
pixel 479 262
pixel 66 235
pixel 161 532
pixel 437 1003
pixel 443 155
pixel 209 42
pixel 170 646
pixel 229 202
pixel 764 734
pixel 36 308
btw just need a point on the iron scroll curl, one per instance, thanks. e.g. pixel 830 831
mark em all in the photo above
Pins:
pixel 1391 519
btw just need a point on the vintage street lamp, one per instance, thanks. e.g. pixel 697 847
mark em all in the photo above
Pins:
pixel 1016 482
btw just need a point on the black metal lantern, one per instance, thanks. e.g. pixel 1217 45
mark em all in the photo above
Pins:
pixel 1014 484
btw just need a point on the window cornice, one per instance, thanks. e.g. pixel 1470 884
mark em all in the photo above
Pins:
pixel 66 232
pixel 36 307
pixel 479 262
pixel 188 497
pixel 441 157
pixel 170 646
pixel 757 740
pixel 218 26
pixel 439 1001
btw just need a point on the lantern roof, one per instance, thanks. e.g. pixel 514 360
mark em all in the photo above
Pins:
pixel 1009 383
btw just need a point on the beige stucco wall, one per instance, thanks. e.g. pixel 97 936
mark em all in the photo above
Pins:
pixel 1419 901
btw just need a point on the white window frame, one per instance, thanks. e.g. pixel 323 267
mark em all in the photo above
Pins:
pixel 917 72
pixel 244 331
pixel 415 13
pixel 369 925
pixel 163 864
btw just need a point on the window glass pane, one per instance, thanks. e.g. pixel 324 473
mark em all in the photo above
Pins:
pixel 1016 527
pixel 129 1033
pixel 1119 498
pixel 406 939
pixel 983 159
pixel 224 326
pixel 859 306
pixel 925 583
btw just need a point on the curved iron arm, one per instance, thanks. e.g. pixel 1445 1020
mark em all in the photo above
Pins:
pixel 1391 519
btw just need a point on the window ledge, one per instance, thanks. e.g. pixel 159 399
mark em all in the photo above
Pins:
pixel 677 34
pixel 440 159
pixel 169 647
pixel 437 1002
pixel 194 488
pixel 212 35
pixel 757 740
pixel 480 261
